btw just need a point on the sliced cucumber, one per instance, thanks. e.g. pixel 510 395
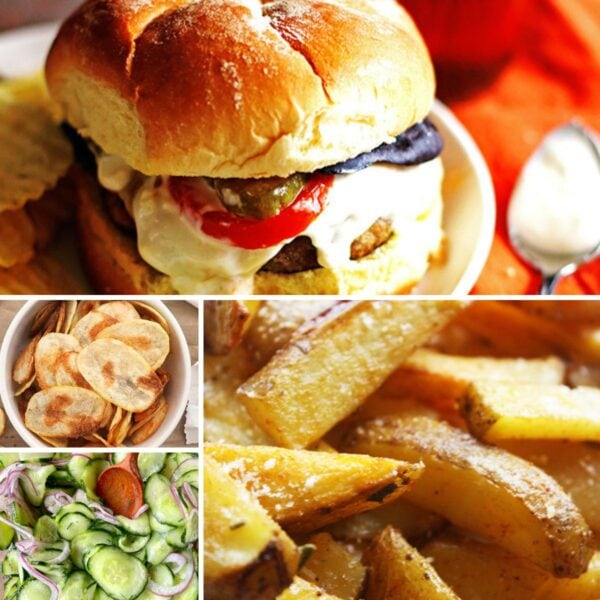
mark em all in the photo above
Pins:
pixel 191 477
pixel 46 530
pixel 33 589
pixel 79 586
pixel 73 524
pixel 139 526
pixel 32 457
pixel 34 484
pixel 10 564
pixel 159 498
pixel 6 535
pixel 157 549
pixel 191 593
pixel 176 538
pixel 76 466
pixel 108 527
pixel 132 543
pixel 58 573
pixel 120 575
pixel 90 476
pixel 83 543
pixel 118 457
pixel 48 553
pixel 150 463
pixel 11 587
pixel 75 508
pixel 158 526
pixel 61 479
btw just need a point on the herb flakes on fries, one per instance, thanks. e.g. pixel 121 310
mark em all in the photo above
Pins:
pixel 490 477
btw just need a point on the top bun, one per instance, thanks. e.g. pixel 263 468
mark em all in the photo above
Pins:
pixel 240 88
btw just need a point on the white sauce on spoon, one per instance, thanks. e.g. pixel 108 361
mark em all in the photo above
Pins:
pixel 555 208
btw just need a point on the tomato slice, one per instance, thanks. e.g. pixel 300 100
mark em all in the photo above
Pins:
pixel 246 232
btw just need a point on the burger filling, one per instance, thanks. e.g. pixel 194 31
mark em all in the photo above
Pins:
pixel 213 236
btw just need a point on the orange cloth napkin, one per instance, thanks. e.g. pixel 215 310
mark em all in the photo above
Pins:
pixel 554 75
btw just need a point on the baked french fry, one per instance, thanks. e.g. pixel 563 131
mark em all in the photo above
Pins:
pixel 324 373
pixel 226 419
pixel 576 466
pixel 304 590
pixel 224 323
pixel 476 569
pixel 429 375
pixel 304 490
pixel 397 570
pixel 500 410
pixel 413 522
pixel 517 333
pixel 333 568
pixel 246 554
pixel 485 490
pixel 579 312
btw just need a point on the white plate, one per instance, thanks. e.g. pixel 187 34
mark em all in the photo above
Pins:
pixel 470 206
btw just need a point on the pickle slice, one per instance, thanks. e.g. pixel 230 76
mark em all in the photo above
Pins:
pixel 258 198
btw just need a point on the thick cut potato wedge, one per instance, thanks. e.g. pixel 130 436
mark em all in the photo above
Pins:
pixel 305 490
pixel 333 568
pixel 429 375
pixel 513 332
pixel 413 522
pixel 226 419
pixel 324 374
pixel 397 570
pixel 246 554
pixel 485 490
pixel 477 570
pixel 586 587
pixel 502 410
pixel 276 321
pixel 304 590
pixel 575 466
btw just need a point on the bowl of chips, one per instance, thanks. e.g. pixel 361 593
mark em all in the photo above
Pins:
pixel 95 373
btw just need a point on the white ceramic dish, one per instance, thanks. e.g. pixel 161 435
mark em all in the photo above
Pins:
pixel 470 206
pixel 178 364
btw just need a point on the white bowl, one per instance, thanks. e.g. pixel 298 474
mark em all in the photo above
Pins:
pixel 469 210
pixel 178 364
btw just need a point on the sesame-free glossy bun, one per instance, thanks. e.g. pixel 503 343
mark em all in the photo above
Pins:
pixel 240 88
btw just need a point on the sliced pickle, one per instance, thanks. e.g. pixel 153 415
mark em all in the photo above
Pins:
pixel 258 198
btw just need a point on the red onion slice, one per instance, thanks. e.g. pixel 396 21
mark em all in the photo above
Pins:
pixel 54 591
pixel 180 469
pixel 168 591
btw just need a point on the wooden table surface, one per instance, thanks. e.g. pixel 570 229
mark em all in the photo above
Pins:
pixel 186 315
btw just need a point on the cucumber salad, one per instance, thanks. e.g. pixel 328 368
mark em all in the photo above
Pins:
pixel 59 540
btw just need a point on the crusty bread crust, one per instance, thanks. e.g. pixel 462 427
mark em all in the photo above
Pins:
pixel 238 88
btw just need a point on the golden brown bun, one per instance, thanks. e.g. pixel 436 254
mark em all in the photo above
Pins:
pixel 114 265
pixel 235 88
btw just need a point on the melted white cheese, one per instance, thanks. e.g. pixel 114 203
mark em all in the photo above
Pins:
pixel 200 264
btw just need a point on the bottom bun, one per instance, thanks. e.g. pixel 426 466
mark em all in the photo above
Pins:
pixel 115 266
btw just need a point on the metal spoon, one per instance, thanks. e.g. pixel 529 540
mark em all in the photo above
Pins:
pixel 560 261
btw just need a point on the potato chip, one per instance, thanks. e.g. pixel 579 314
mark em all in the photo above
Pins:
pixel 65 411
pixel 67 372
pixel 119 310
pixel 87 329
pixel 42 275
pixel 71 309
pixel 151 314
pixel 61 313
pixel 56 442
pixel 119 374
pixel 42 317
pixel 17 238
pixel 34 153
pixel 48 355
pixel 147 337
pixel 84 307
pixel 2 422
pixel 119 427
pixel 24 367
pixel 33 90
pixel 140 432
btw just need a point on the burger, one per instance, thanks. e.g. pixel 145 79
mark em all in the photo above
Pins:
pixel 252 147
